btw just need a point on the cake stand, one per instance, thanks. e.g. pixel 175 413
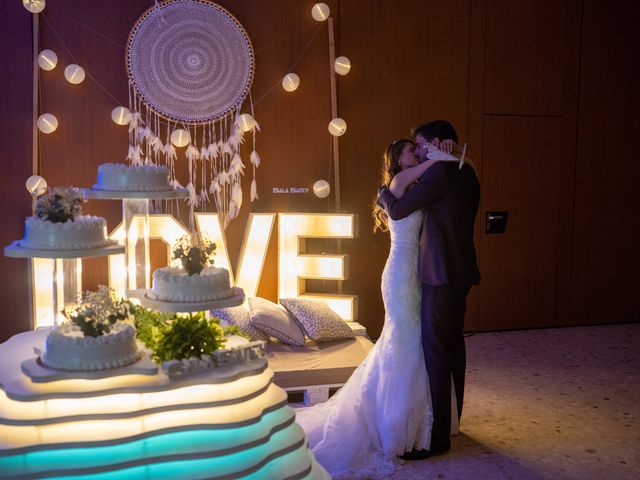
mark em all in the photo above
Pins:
pixel 65 267
pixel 183 307
pixel 135 215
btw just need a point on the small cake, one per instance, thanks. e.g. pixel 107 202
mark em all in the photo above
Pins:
pixel 173 284
pixel 118 177
pixel 68 349
pixel 84 232
pixel 57 224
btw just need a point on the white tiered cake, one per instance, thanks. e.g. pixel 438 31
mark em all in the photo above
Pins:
pixel 83 233
pixel 231 421
pixel 172 284
pixel 118 177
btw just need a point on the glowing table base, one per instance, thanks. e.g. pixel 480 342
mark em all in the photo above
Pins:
pixel 229 422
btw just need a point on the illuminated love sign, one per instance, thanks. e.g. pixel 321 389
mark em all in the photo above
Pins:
pixel 294 267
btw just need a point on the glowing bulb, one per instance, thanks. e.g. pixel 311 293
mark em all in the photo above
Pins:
pixel 36 185
pixel 74 74
pixel 47 60
pixel 47 123
pixel 180 137
pixel 320 12
pixel 342 65
pixel 290 82
pixel 321 189
pixel 121 115
pixel 246 122
pixel 337 127
pixel 34 6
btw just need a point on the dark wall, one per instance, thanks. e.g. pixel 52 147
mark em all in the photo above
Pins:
pixel 544 92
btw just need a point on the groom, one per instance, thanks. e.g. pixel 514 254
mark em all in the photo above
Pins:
pixel 447 267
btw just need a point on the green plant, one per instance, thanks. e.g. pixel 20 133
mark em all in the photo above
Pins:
pixel 234 330
pixel 59 205
pixel 195 251
pixel 96 312
pixel 149 324
pixel 189 336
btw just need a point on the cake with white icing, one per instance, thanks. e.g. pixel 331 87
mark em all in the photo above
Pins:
pixel 118 177
pixel 68 349
pixel 57 224
pixel 173 284
pixel 81 233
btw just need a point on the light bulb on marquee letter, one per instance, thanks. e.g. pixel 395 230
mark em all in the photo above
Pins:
pixel 320 12
pixel 337 127
pixel 34 6
pixel 246 122
pixel 290 82
pixel 180 137
pixel 47 123
pixel 121 115
pixel 342 65
pixel 74 74
pixel 47 60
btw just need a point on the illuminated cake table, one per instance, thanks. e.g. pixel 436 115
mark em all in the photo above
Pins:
pixel 227 422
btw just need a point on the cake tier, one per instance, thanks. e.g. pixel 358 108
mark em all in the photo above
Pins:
pixel 172 284
pixel 118 177
pixel 84 233
pixel 68 349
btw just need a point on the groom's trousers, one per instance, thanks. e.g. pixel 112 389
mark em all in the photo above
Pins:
pixel 443 309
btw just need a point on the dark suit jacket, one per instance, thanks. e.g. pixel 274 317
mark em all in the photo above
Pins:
pixel 450 199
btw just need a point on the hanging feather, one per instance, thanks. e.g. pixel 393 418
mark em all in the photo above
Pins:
pixel 135 155
pixel 236 138
pixel 224 178
pixel 236 166
pixel 157 145
pixel 236 195
pixel 215 186
pixel 192 153
pixel 135 122
pixel 193 196
pixel 254 158
pixel 170 151
pixel 204 196
pixel 254 190
pixel 214 150
pixel 226 149
pixel 204 153
pixel 176 184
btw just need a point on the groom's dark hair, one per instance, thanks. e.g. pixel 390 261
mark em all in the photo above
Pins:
pixel 438 128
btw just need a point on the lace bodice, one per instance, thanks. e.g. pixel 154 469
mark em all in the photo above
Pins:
pixel 406 230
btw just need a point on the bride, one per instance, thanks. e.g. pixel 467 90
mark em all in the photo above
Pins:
pixel 384 409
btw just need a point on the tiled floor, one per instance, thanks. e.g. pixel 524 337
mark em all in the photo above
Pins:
pixel 547 404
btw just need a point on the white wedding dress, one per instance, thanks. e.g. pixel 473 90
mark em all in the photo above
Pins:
pixel 384 409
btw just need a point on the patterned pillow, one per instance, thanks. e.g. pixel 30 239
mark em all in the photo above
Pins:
pixel 241 317
pixel 316 319
pixel 274 320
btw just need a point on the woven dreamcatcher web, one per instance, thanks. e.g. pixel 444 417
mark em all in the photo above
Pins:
pixel 190 65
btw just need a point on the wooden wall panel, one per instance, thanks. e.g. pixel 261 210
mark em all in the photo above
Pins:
pixel 605 283
pixel 410 65
pixel 15 164
pixel 521 175
pixel 525 55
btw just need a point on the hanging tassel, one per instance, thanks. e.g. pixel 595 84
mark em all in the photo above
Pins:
pixel 170 151
pixel 157 145
pixel 192 153
pixel 254 158
pixel 134 155
pixel 193 196
pixel 236 166
pixel 204 196
pixel 254 190
pixel 176 184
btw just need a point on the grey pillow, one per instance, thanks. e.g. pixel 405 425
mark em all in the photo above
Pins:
pixel 274 320
pixel 241 317
pixel 317 320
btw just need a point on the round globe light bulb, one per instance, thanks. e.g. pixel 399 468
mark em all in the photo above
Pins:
pixel 121 115
pixel 337 127
pixel 342 65
pixel 290 82
pixel 74 74
pixel 47 123
pixel 246 122
pixel 34 6
pixel 47 60
pixel 320 12
pixel 321 189
pixel 36 185
pixel 180 137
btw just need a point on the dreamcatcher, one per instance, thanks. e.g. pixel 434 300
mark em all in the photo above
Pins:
pixel 190 65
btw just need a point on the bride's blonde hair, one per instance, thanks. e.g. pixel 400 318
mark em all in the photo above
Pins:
pixel 390 168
